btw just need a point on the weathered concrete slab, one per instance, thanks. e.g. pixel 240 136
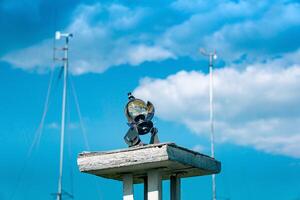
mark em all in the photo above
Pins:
pixel 169 158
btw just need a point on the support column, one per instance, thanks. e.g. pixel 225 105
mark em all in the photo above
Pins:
pixel 145 188
pixel 175 185
pixel 128 187
pixel 154 185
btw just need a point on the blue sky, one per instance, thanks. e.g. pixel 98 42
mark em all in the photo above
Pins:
pixel 152 48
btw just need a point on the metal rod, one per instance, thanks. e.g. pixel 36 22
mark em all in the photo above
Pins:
pixel 211 56
pixel 62 135
pixel 212 139
pixel 211 113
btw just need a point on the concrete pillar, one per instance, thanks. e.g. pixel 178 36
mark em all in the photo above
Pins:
pixel 154 185
pixel 128 187
pixel 175 187
pixel 145 188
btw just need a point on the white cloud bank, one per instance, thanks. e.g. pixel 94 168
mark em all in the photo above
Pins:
pixel 107 35
pixel 257 106
pixel 97 44
pixel 258 29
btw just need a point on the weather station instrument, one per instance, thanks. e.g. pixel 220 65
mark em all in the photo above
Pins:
pixel 149 164
pixel 139 115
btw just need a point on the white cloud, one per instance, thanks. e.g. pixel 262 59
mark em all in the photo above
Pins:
pixel 96 45
pixel 35 58
pixel 143 53
pixel 257 37
pixel 257 29
pixel 257 106
pixel 123 18
pixel 233 28
pixel 107 35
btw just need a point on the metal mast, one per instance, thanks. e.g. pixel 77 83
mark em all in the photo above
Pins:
pixel 212 56
pixel 65 49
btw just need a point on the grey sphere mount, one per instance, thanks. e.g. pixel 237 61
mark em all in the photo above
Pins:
pixel 139 115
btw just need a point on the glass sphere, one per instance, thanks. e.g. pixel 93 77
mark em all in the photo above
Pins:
pixel 136 108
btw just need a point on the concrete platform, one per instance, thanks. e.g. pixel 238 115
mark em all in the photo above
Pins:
pixel 168 158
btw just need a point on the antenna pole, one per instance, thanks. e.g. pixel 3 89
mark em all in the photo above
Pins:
pixel 212 138
pixel 212 57
pixel 63 113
